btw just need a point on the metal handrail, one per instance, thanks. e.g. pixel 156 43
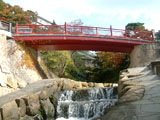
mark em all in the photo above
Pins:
pixel 83 30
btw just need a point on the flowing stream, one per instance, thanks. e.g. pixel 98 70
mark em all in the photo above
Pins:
pixel 85 104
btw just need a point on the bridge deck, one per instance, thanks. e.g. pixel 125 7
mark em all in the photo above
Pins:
pixel 66 37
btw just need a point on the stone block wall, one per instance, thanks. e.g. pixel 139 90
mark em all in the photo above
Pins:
pixel 38 100
pixel 144 54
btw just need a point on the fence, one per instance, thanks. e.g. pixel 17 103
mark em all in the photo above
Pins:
pixel 4 25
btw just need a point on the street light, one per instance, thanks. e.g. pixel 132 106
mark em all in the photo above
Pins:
pixel 12 14
pixel 11 24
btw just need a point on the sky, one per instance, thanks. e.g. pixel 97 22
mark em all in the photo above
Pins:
pixel 98 13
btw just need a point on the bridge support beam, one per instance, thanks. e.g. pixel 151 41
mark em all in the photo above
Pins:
pixel 109 48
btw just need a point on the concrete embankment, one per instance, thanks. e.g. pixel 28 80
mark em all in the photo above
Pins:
pixel 144 54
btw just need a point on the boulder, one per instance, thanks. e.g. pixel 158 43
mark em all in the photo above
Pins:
pixel 68 84
pixel 59 83
pixel 132 93
pixel 47 109
pixel 10 111
pixel 26 117
pixel 91 84
pixel 99 85
pixel 33 105
pixel 106 84
pixel 22 107
pixel 78 85
pixel 124 78
pixel 84 84
pixel 114 85
pixel 48 91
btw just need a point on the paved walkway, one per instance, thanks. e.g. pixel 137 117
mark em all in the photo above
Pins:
pixel 148 108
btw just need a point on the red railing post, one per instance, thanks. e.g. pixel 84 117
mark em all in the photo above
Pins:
pixel 81 30
pixel 32 29
pixel 65 28
pixel 96 31
pixel 111 30
pixel 152 36
pixel 49 29
pixel 16 28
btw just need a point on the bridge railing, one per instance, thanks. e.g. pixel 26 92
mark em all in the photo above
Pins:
pixel 4 25
pixel 83 30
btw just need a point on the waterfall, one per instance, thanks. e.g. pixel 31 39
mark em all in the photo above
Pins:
pixel 85 104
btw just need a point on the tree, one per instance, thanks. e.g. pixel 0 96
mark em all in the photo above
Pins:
pixel 137 30
pixel 157 36
pixel 3 5
pixel 20 16
pixel 107 66
pixel 57 61
pixel 135 26
pixel 53 23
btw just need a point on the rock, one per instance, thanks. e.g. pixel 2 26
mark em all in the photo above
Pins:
pixel 11 82
pixel 10 111
pixel 33 106
pixel 48 91
pixel 106 85
pixel 47 108
pixel 91 84
pixel 128 98
pixel 84 84
pixel 132 93
pixel 38 117
pixel 78 85
pixel 22 107
pixel 68 84
pixel 124 78
pixel 99 85
pixel 3 79
pixel 22 84
pixel 53 100
pixel 114 85
pixel 5 69
pixel 26 117
pixel 59 83
pixel 131 83
pixel 134 75
pixel 123 91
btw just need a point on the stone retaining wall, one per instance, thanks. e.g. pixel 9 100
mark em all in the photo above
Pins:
pixel 144 54
pixel 38 100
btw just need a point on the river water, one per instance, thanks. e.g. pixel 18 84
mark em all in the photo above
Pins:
pixel 85 104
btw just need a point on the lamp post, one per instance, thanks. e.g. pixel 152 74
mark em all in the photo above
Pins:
pixel 12 14
pixel 11 24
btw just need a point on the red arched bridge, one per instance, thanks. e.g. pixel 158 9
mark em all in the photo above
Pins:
pixel 68 37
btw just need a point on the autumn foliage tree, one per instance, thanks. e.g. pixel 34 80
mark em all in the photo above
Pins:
pixel 137 30
pixel 20 16
pixel 107 66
